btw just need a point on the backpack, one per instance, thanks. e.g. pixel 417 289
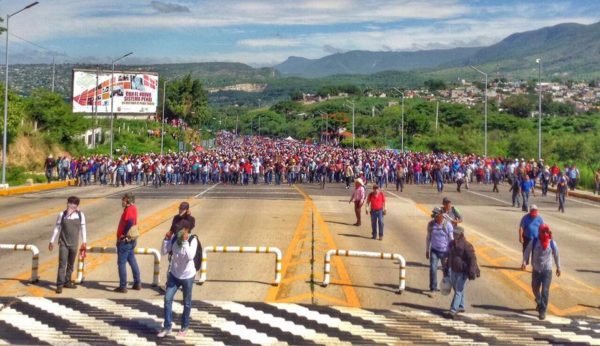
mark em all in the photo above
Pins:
pixel 444 225
pixel 197 255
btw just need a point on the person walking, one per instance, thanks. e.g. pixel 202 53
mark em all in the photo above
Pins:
pixel 515 188
pixel 542 250
pixel 529 226
pixel 437 243
pixel 49 165
pixel 451 213
pixel 348 174
pixel 496 177
pixel 562 192
pixel 70 225
pixel 358 197
pixel 182 272
pixel 126 244
pixel 463 265
pixel 527 186
pixel 376 203
pixel 183 214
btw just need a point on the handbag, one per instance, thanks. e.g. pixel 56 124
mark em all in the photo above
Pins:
pixel 446 286
pixel 134 232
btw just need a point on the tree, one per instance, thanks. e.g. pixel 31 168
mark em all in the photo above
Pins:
pixel 519 105
pixel 187 99
pixel 296 95
pixel 287 108
pixel 52 113
pixel 435 84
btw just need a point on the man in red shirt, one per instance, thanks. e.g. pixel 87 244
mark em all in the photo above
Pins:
pixel 376 203
pixel 126 244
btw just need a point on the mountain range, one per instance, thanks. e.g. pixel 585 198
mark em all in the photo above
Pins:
pixel 566 49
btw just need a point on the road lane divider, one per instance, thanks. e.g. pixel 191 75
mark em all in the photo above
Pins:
pixel 17 190
pixel 32 216
pixel 34 258
pixel 353 253
pixel 138 251
pixel 241 249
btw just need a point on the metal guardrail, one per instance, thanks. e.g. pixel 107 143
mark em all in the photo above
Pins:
pixel 241 249
pixel 352 253
pixel 34 260
pixel 138 251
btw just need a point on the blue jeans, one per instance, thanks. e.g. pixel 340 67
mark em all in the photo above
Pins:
pixel 376 220
pixel 440 185
pixel 525 195
pixel 541 280
pixel 435 257
pixel 173 284
pixel 459 282
pixel 125 254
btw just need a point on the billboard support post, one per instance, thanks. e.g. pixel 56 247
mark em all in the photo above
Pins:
pixel 112 114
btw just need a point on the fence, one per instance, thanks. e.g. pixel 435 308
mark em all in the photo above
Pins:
pixel 138 251
pixel 380 255
pixel 34 260
pixel 242 249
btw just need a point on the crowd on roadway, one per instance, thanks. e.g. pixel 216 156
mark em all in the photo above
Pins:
pixel 254 160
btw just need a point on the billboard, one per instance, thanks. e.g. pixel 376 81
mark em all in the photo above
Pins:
pixel 132 92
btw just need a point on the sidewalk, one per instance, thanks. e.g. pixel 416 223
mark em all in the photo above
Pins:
pixel 577 193
pixel 17 190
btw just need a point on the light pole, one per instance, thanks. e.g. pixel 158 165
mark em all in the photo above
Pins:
pixel 437 113
pixel 353 106
pixel 485 136
pixel 95 108
pixel 539 61
pixel 112 99
pixel 162 129
pixel 5 134
pixel 401 121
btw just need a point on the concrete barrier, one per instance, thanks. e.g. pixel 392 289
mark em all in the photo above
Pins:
pixel 352 253
pixel 17 190
pixel 34 259
pixel 241 249
pixel 138 251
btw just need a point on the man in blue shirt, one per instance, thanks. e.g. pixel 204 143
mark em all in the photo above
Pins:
pixel 529 226
pixel 527 186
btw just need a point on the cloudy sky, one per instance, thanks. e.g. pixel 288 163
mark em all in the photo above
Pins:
pixel 263 33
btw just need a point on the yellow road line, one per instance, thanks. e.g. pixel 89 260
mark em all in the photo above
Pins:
pixel 32 216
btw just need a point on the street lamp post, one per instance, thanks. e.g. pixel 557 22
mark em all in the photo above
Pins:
pixel 401 121
pixel 162 129
pixel 485 136
pixel 539 61
pixel 112 100
pixel 5 132
pixel 353 106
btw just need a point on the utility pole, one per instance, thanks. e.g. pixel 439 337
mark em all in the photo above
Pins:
pixel 353 106
pixel 539 61
pixel 54 71
pixel 437 113
pixel 485 140
pixel 162 129
pixel 402 120
pixel 95 107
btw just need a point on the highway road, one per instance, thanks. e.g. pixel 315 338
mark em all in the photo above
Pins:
pixel 304 222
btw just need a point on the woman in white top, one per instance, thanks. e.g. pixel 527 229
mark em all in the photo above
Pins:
pixel 182 247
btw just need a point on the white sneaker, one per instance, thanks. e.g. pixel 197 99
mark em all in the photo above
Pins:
pixel 164 332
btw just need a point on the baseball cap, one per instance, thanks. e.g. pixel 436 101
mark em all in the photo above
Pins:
pixel 436 211
pixel 533 207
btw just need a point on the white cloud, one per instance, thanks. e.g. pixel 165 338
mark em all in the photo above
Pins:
pixel 269 42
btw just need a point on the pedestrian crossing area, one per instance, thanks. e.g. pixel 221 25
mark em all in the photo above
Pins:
pixel 60 321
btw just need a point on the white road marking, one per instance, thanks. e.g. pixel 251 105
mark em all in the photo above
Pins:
pixel 490 197
pixel 35 328
pixel 205 191
pixel 334 322
pixel 277 322
pixel 114 333
pixel 402 198
pixel 421 331
pixel 230 327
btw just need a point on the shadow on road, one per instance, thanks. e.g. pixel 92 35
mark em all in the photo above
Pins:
pixel 588 271
pixel 354 236
pixel 340 223
pixel 417 264
pixel 241 281
pixel 502 268
pixel 503 309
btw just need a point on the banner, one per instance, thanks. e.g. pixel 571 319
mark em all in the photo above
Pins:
pixel 132 92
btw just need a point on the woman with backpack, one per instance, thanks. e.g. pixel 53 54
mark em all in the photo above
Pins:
pixel 463 267
pixel 182 246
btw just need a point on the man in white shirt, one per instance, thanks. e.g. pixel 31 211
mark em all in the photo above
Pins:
pixel 69 225
pixel 182 272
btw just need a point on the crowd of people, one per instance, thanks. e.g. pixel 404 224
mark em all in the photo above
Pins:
pixel 254 160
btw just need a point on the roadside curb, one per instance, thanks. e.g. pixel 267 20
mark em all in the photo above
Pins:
pixel 17 190
pixel 595 198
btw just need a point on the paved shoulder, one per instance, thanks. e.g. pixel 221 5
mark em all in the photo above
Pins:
pixel 32 320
